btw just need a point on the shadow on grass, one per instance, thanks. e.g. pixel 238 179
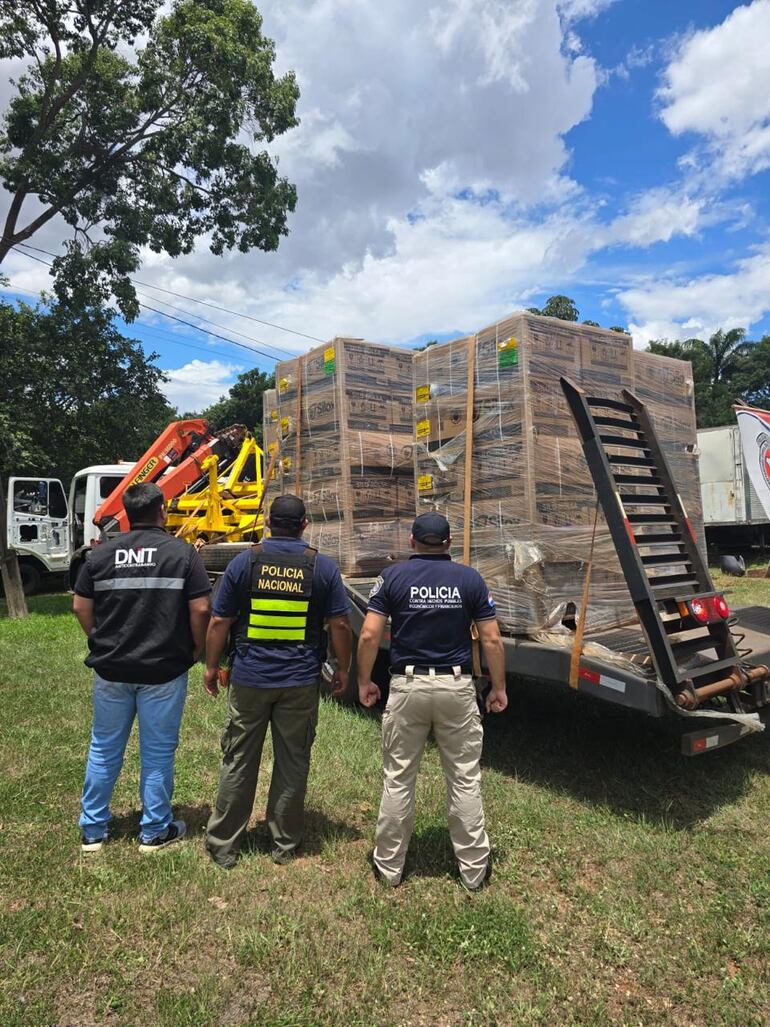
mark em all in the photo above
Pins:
pixel 54 605
pixel 320 831
pixel 614 758
pixel 195 817
pixel 617 758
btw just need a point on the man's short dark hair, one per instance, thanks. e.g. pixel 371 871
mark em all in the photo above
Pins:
pixel 287 514
pixel 142 503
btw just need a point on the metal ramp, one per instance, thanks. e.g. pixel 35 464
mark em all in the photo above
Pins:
pixel 685 621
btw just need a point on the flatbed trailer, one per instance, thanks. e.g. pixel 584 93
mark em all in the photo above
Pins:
pixel 615 668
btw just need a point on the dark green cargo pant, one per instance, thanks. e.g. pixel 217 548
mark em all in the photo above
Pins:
pixel 292 714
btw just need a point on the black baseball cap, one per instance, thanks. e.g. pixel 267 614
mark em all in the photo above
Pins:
pixel 287 509
pixel 431 528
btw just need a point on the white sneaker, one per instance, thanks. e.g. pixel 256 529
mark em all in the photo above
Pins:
pixel 175 832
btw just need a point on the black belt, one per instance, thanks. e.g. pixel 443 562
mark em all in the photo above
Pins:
pixel 465 668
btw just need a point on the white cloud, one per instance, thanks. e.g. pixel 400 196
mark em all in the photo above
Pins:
pixel 677 309
pixel 718 85
pixel 195 385
pixel 575 10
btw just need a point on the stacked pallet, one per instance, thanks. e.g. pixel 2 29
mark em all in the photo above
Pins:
pixel 516 488
pixel 344 416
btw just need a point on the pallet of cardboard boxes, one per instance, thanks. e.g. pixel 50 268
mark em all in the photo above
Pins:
pixel 369 435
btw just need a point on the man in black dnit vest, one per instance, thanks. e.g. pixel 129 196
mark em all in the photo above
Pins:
pixel 273 599
pixel 143 600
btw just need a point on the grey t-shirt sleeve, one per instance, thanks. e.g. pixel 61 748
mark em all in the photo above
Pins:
pixel 197 582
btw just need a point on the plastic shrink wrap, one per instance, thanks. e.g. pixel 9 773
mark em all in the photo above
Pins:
pixel 516 488
pixel 344 420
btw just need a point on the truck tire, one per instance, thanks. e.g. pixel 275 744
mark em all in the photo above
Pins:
pixel 219 554
pixel 31 577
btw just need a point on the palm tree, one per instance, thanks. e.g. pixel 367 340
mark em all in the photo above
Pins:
pixel 723 352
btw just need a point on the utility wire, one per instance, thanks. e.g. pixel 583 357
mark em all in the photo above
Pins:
pixel 171 317
pixel 205 303
pixel 284 353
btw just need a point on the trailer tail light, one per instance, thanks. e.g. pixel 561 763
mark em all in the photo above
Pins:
pixel 699 610
pixel 705 611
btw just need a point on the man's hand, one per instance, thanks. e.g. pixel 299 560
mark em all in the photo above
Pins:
pixel 340 681
pixel 211 680
pixel 368 693
pixel 497 700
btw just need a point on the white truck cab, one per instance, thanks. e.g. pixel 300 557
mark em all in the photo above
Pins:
pixel 47 533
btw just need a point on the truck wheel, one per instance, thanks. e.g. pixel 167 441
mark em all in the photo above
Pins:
pixel 218 555
pixel 31 577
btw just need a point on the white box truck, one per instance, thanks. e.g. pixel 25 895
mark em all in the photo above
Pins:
pixel 733 515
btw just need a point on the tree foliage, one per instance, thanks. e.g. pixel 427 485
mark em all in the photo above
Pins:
pixel 559 306
pixel 243 403
pixel 130 123
pixel 73 391
pixel 726 369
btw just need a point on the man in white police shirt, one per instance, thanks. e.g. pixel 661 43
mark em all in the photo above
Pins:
pixel 143 600
pixel 432 603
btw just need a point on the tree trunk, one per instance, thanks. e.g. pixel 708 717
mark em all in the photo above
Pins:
pixel 14 591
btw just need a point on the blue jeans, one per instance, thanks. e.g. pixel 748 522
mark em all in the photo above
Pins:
pixel 159 709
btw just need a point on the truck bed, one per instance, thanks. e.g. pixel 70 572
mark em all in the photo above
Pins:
pixel 616 667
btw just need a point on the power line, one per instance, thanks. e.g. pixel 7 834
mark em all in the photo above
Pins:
pixel 172 317
pixel 232 342
pixel 284 352
pixel 205 303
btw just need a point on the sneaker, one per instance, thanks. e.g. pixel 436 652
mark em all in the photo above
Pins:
pixel 92 845
pixel 175 832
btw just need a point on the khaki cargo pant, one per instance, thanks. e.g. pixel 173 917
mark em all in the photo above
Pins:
pixel 292 714
pixel 447 703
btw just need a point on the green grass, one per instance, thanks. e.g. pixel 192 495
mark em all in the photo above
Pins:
pixel 631 886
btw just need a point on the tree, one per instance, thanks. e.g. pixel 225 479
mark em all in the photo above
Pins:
pixel 619 328
pixel 558 306
pixel 752 379
pixel 592 324
pixel 562 307
pixel 723 368
pixel 130 124
pixel 73 391
pixel 243 404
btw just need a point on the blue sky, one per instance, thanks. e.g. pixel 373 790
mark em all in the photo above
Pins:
pixel 458 161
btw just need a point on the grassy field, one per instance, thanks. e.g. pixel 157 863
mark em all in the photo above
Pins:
pixel 631 886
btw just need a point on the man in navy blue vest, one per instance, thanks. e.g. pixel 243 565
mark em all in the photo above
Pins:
pixel 432 603
pixel 273 602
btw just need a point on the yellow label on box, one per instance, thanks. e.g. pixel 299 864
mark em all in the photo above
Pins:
pixel 328 354
pixel 425 483
pixel 286 463
pixel 271 448
pixel 508 344
pixel 422 428
pixel 284 424
pixel 283 384
pixel 273 415
pixel 422 393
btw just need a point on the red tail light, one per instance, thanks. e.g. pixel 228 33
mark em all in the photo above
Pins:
pixel 721 608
